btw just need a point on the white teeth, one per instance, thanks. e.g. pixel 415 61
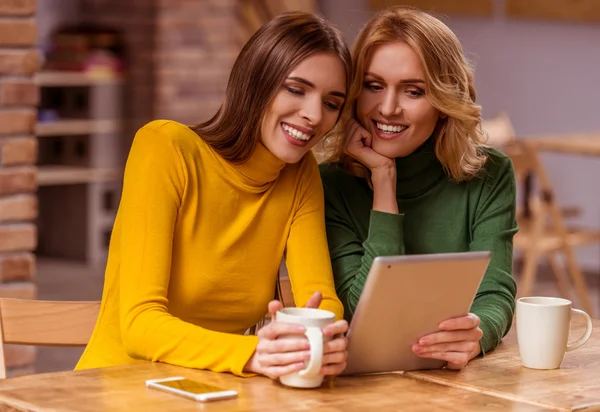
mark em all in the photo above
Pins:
pixel 297 134
pixel 389 128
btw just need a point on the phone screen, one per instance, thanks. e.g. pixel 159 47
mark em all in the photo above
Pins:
pixel 191 386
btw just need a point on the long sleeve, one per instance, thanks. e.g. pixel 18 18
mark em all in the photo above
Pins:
pixel 352 258
pixel 307 256
pixel 154 183
pixel 493 229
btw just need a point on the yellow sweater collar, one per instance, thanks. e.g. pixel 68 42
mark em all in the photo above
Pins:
pixel 258 172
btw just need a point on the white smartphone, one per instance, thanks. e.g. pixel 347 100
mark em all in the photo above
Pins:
pixel 187 388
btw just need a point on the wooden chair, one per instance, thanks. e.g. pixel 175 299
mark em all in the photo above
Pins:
pixel 498 130
pixel 38 322
pixel 543 231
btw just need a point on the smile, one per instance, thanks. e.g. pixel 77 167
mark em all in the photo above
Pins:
pixel 295 133
pixel 390 128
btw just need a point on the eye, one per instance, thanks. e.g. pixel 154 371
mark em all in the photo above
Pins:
pixel 415 93
pixel 334 107
pixel 295 90
pixel 373 86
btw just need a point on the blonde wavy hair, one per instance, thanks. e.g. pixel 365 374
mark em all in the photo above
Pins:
pixel 449 87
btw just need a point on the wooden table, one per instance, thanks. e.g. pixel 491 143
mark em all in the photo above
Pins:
pixel 497 382
pixel 583 143
pixel 575 386
pixel 123 389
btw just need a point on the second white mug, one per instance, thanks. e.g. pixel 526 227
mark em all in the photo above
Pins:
pixel 543 326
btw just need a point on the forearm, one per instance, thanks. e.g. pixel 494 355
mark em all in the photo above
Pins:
pixel 155 335
pixel 496 310
pixel 384 190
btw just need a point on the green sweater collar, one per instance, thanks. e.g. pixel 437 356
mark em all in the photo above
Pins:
pixel 418 172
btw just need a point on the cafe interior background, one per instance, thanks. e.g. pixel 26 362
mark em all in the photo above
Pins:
pixel 79 77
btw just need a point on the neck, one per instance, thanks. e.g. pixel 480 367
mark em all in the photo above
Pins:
pixel 419 171
pixel 261 169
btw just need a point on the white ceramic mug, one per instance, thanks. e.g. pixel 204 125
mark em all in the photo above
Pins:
pixel 543 326
pixel 314 320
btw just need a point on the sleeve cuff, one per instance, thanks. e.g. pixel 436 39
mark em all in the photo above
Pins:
pixel 386 233
pixel 244 354
pixel 490 338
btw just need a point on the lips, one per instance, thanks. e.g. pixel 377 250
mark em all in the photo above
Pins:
pixel 388 131
pixel 294 135
pixel 297 132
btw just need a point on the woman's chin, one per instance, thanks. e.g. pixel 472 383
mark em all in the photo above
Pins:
pixel 392 148
pixel 385 148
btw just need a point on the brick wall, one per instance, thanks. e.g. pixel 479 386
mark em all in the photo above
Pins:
pixel 136 20
pixel 180 52
pixel 197 42
pixel 18 153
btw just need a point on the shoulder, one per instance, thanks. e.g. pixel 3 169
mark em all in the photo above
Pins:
pixel 170 141
pixel 168 132
pixel 497 162
pixel 497 168
pixel 167 145
pixel 334 174
pixel 496 181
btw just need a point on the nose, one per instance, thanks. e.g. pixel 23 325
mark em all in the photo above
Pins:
pixel 312 111
pixel 390 106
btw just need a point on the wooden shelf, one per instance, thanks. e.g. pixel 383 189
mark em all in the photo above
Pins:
pixel 73 79
pixel 52 175
pixel 463 7
pixel 75 127
pixel 567 10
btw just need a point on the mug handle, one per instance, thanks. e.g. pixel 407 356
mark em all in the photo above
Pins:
pixel 315 339
pixel 586 335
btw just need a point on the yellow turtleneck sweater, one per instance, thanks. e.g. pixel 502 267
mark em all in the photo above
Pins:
pixel 195 252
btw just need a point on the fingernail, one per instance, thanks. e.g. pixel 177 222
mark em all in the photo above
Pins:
pixel 423 342
pixel 417 348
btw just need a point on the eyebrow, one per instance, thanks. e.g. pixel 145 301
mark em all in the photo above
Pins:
pixel 407 81
pixel 309 84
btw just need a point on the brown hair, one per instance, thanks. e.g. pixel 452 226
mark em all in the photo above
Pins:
pixel 449 82
pixel 258 73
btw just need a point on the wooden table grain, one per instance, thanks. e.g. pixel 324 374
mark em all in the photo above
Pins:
pixel 122 389
pixel 575 386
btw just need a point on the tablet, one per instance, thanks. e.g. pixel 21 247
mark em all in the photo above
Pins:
pixel 404 299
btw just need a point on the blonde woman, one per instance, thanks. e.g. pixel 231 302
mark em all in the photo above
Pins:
pixel 409 175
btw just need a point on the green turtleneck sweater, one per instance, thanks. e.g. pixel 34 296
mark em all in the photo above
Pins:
pixel 436 216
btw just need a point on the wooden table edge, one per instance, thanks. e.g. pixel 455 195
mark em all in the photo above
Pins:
pixel 16 405
pixel 23 406
pixel 484 391
pixel 594 406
